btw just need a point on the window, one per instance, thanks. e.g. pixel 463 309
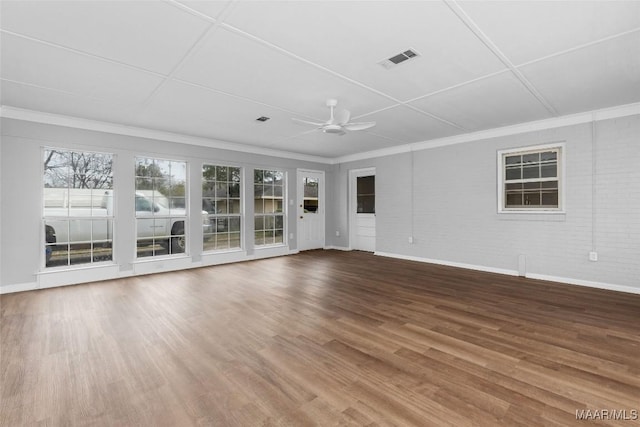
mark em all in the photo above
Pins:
pixel 78 207
pixel 530 180
pixel 221 202
pixel 366 194
pixel 160 203
pixel 268 207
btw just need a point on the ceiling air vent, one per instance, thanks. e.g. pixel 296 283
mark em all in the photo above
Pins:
pixel 399 58
pixel 262 119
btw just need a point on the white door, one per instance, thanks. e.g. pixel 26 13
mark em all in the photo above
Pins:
pixel 362 207
pixel 311 210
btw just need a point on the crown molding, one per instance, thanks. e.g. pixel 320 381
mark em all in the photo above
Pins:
pixel 15 113
pixel 551 123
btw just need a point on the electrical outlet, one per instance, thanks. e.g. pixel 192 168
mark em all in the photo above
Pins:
pixel 411 239
pixel 337 233
pixel 593 256
pixel 290 236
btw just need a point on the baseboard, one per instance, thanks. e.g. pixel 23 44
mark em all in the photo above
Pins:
pixel 337 248
pixel 565 280
pixel 450 263
pixel 18 287
pixel 586 283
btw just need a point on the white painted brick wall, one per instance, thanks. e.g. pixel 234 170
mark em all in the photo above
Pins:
pixel 455 206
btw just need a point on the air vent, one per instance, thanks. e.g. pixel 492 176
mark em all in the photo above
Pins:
pixel 262 119
pixel 399 58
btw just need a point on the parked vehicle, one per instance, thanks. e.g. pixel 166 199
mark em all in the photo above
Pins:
pixel 80 216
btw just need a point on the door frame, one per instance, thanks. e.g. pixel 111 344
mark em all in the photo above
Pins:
pixel 321 206
pixel 353 201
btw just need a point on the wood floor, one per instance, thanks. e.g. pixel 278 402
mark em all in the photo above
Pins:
pixel 320 338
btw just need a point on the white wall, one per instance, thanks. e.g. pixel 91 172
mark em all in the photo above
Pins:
pixel 21 243
pixel 452 209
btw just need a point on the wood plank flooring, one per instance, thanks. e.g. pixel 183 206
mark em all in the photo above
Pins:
pixel 320 338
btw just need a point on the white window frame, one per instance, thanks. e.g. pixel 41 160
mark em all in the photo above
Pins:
pixel 187 222
pixel 92 263
pixel 501 172
pixel 284 213
pixel 226 215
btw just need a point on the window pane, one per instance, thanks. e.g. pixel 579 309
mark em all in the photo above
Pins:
pixel 234 190
pixel 529 172
pixel 258 176
pixel 222 173
pixel 222 241
pixel 279 222
pixel 102 251
pixel 279 238
pixel 234 240
pixel 209 205
pixel 513 173
pixel 550 198
pixel 268 223
pixel 209 242
pixel 208 172
pixel 234 206
pixel 548 171
pixel 221 206
pixel 548 155
pixel 79 253
pixel 531 158
pixel 366 185
pixel 208 189
pixel 234 224
pixel 531 198
pixel 234 174
pixel 259 238
pixel 513 160
pixel 514 199
pixel 259 223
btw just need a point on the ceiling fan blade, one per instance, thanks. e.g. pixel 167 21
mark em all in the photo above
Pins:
pixel 305 122
pixel 343 117
pixel 359 126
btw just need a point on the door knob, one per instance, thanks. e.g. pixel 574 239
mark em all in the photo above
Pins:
pixel 301 217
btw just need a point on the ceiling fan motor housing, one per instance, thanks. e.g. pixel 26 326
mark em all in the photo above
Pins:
pixel 332 129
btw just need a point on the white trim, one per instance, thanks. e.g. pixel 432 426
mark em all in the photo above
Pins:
pixel 18 287
pixel 352 203
pixel 449 263
pixel 299 208
pixel 538 125
pixel 585 283
pixel 337 248
pixel 118 129
pixel 557 279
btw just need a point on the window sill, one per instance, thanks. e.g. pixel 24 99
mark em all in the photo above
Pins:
pixel 527 215
pixel 275 245
pixel 150 259
pixel 79 267
pixel 222 251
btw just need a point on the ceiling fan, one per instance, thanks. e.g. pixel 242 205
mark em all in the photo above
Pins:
pixel 337 123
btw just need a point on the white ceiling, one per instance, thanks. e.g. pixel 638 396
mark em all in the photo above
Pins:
pixel 210 68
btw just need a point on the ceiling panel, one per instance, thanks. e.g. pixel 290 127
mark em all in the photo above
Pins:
pixel 526 30
pixel 405 125
pixel 38 64
pixel 192 110
pixel 352 37
pixel 599 76
pixel 235 64
pixel 151 35
pixel 50 101
pixel 327 145
pixel 495 101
